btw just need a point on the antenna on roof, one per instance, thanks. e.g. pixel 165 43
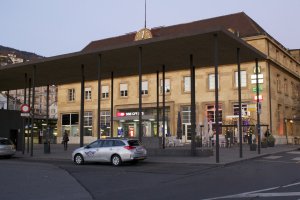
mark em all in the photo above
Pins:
pixel 145 13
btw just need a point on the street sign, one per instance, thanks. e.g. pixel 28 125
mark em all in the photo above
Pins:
pixel 259 108
pixel 260 97
pixel 260 88
pixel 25 108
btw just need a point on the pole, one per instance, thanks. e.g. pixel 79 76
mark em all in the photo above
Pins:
pixel 32 107
pixel 193 107
pixel 216 96
pixel 257 106
pixel 24 119
pixel 240 102
pixel 82 106
pixel 140 95
pixel 99 100
pixel 28 121
pixel 112 106
pixel 164 107
pixel 47 121
pixel 157 103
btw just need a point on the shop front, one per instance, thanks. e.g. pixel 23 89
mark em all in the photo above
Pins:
pixel 128 123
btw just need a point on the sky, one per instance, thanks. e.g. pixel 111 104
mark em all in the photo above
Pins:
pixel 55 27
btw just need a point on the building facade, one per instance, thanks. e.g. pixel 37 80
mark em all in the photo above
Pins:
pixel 279 86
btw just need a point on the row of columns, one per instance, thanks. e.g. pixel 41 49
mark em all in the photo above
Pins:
pixel 193 100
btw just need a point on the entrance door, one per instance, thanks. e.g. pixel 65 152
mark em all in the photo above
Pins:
pixel 186 135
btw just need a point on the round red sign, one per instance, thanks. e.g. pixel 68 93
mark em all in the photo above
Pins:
pixel 25 108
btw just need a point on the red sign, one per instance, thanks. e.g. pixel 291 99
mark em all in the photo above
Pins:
pixel 121 114
pixel 25 108
pixel 260 98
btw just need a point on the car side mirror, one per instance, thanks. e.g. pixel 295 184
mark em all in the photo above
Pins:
pixel 87 147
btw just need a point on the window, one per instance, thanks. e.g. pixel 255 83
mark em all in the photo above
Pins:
pixel 285 87
pixel 293 90
pixel 105 122
pixel 167 86
pixel 123 90
pixel 243 79
pixel 88 93
pixel 186 114
pixel 211 113
pixel 104 91
pixel 187 84
pixel 71 94
pixel 88 123
pixel 144 87
pixel 211 82
pixel 70 122
pixel 278 83
pixel 244 109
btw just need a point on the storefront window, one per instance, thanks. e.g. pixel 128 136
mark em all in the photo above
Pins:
pixel 186 114
pixel 244 109
pixel 211 113
pixel 105 123
pixel 70 123
pixel 88 123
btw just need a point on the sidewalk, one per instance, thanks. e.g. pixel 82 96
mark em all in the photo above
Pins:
pixel 226 155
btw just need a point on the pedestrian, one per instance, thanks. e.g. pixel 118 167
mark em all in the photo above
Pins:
pixel 65 140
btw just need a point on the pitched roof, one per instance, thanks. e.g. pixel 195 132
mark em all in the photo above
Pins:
pixel 240 23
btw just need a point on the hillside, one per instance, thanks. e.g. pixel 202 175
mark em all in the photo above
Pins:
pixel 20 54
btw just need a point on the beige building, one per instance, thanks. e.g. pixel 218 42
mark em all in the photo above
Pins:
pixel 279 80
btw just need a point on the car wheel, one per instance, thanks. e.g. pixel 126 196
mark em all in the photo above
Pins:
pixel 78 159
pixel 116 160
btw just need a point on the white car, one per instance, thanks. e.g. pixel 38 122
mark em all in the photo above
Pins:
pixel 7 148
pixel 114 151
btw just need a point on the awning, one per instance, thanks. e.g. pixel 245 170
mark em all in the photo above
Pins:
pixel 173 51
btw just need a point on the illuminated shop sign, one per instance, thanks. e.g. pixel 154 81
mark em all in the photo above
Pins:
pixel 124 114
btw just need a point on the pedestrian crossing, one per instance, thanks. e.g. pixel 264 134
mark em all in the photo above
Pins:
pixel 292 156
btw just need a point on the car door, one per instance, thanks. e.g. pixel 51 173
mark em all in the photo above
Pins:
pixel 106 150
pixel 90 151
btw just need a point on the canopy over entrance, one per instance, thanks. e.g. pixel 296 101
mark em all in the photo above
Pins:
pixel 173 51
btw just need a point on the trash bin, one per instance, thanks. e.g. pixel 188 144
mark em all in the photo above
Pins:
pixel 296 140
pixel 46 147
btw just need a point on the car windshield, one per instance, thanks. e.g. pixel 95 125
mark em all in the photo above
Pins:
pixel 133 142
pixel 5 142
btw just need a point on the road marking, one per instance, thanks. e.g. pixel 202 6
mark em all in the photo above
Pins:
pixel 294 152
pixel 258 193
pixel 272 157
pixel 297 159
pixel 293 184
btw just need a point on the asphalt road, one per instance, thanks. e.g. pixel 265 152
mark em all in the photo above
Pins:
pixel 273 177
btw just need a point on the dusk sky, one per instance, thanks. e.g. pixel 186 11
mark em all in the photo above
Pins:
pixel 55 27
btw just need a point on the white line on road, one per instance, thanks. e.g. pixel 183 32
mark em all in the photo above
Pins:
pixel 294 152
pixel 257 193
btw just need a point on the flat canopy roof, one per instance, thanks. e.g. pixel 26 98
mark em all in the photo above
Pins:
pixel 173 51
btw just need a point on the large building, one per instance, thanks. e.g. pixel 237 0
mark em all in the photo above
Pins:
pixel 12 56
pixel 279 85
